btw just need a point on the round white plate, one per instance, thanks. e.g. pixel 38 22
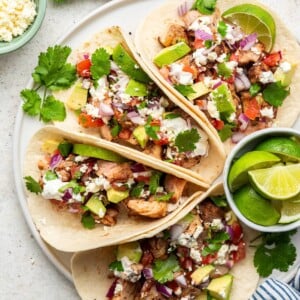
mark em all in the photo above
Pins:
pixel 127 14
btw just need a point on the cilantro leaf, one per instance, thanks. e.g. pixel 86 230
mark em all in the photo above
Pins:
pixel 205 7
pixel 165 197
pixel 32 102
pixel 151 130
pixel 208 43
pixel 220 201
pixel 137 190
pixel 154 182
pixel 32 185
pixel 49 175
pixel 88 221
pixel 275 93
pixel 116 128
pixel 186 140
pixel 254 89
pixel 53 71
pixel 222 28
pixel 163 270
pixel 225 132
pixel 185 90
pixel 116 266
pixel 65 148
pixel 224 71
pixel 210 248
pixel 171 116
pixel 100 64
pixel 53 110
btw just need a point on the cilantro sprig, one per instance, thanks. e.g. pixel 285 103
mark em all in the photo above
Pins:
pixel 275 93
pixel 52 73
pixel 205 7
pixel 275 251
pixel 186 140
pixel 163 270
pixel 32 185
pixel 184 90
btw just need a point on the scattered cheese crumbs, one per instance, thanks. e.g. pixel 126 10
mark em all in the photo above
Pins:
pixel 15 17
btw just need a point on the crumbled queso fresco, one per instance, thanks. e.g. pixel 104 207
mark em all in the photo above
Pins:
pixel 15 17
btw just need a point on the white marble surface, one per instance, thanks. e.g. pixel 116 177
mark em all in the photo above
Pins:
pixel 26 273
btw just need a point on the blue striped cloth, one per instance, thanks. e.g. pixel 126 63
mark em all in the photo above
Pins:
pixel 272 289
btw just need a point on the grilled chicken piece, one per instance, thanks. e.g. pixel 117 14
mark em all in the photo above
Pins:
pixel 105 132
pixel 113 171
pixel 190 17
pixel 129 290
pixel 194 225
pixel 174 185
pixel 189 162
pixel 247 56
pixel 154 150
pixel 176 33
pixel 209 211
pixel 158 247
pixel 255 72
pixel 151 209
pixel 149 292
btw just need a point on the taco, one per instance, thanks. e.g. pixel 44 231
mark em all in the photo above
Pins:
pixel 206 251
pixel 75 184
pixel 227 77
pixel 116 100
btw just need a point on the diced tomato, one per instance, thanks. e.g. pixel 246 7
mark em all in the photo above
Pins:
pixel 240 253
pixel 251 108
pixel 164 71
pixel 145 179
pixel 83 68
pixel 230 80
pixel 237 232
pixel 273 59
pixel 134 102
pixel 186 263
pixel 162 141
pixel 155 123
pixel 88 121
pixel 201 103
pixel 218 124
pixel 125 134
pixel 147 258
pixel 198 43
pixel 208 259
pixel 233 57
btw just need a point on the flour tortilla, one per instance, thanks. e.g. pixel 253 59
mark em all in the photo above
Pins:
pixel 156 24
pixel 209 167
pixel 63 230
pixel 90 268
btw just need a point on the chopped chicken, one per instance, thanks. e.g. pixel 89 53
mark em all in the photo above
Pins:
pixel 174 185
pixel 150 209
pixel 114 171
pixel 176 33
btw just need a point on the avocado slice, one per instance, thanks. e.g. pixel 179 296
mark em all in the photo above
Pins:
pixel 172 53
pixel 128 65
pixel 200 90
pixel 96 206
pixel 135 88
pixel 223 99
pixel 141 136
pixel 132 250
pixel 220 287
pixel 78 97
pixel 115 196
pixel 202 273
pixel 285 77
pixel 204 296
pixel 97 152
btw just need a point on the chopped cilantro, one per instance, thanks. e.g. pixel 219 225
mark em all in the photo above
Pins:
pixel 171 116
pixel 225 132
pixel 116 266
pixel 32 185
pixel 87 221
pixel 137 190
pixel 208 43
pixel 163 270
pixel 65 148
pixel 53 110
pixel 186 140
pixel 275 93
pixel 222 28
pixel 275 251
pixel 152 130
pixel 165 197
pixel 210 248
pixel 185 90
pixel 224 71
pixel 205 7
pixel 215 243
pixel 154 181
pixel 32 102
pixel 100 64
pixel 254 89
pixel 220 201
pixel 116 128
pixel 142 105
pixel 49 175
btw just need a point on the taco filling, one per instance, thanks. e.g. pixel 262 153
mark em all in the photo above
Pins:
pixel 94 187
pixel 119 99
pixel 190 259
pixel 227 74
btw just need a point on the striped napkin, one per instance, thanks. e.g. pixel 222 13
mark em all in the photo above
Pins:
pixel 272 289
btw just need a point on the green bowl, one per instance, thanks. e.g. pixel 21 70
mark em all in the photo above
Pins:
pixel 19 41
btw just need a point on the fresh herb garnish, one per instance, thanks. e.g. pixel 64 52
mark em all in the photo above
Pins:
pixel 163 270
pixel 220 201
pixel 186 140
pixel 224 70
pixel 275 251
pixel 32 185
pixel 49 175
pixel 100 64
pixel 151 130
pixel 154 182
pixel 225 132
pixel 275 93
pixel 215 243
pixel 88 221
pixel 65 148
pixel 116 128
pixel 205 7
pixel 116 266
pixel 208 44
pixel 165 197
pixel 137 190
pixel 185 90
pixel 222 28
pixel 254 89
pixel 171 116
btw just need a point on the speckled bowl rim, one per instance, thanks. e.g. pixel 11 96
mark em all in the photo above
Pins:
pixel 237 151
pixel 19 41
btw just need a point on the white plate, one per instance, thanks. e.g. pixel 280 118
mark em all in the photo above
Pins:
pixel 127 14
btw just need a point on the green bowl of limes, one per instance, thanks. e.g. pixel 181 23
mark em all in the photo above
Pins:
pixel 262 180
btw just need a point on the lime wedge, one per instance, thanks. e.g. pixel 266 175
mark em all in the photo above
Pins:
pixel 286 148
pixel 238 175
pixel 254 207
pixel 290 212
pixel 253 19
pixel 278 182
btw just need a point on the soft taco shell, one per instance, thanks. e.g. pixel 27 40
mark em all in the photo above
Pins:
pixel 156 24
pixel 63 230
pixel 209 167
pixel 90 268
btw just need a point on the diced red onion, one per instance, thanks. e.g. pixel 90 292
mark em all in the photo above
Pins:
pixel 248 42
pixel 148 273
pixel 244 120
pixel 229 264
pixel 237 136
pixel 217 84
pixel 135 118
pixel 241 82
pixel 164 290
pixel 230 231
pixel 86 56
pixel 184 7
pixel 203 35
pixel 135 168
pixel 111 291
pixel 73 210
pixel 175 231
pixel 55 160
pixel 67 195
pixel 181 280
pixel 105 110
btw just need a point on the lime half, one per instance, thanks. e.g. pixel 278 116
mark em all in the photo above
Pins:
pixel 238 175
pixel 253 19
pixel 290 212
pixel 286 148
pixel 278 182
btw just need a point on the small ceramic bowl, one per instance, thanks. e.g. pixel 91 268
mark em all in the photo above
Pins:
pixel 21 40
pixel 248 144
